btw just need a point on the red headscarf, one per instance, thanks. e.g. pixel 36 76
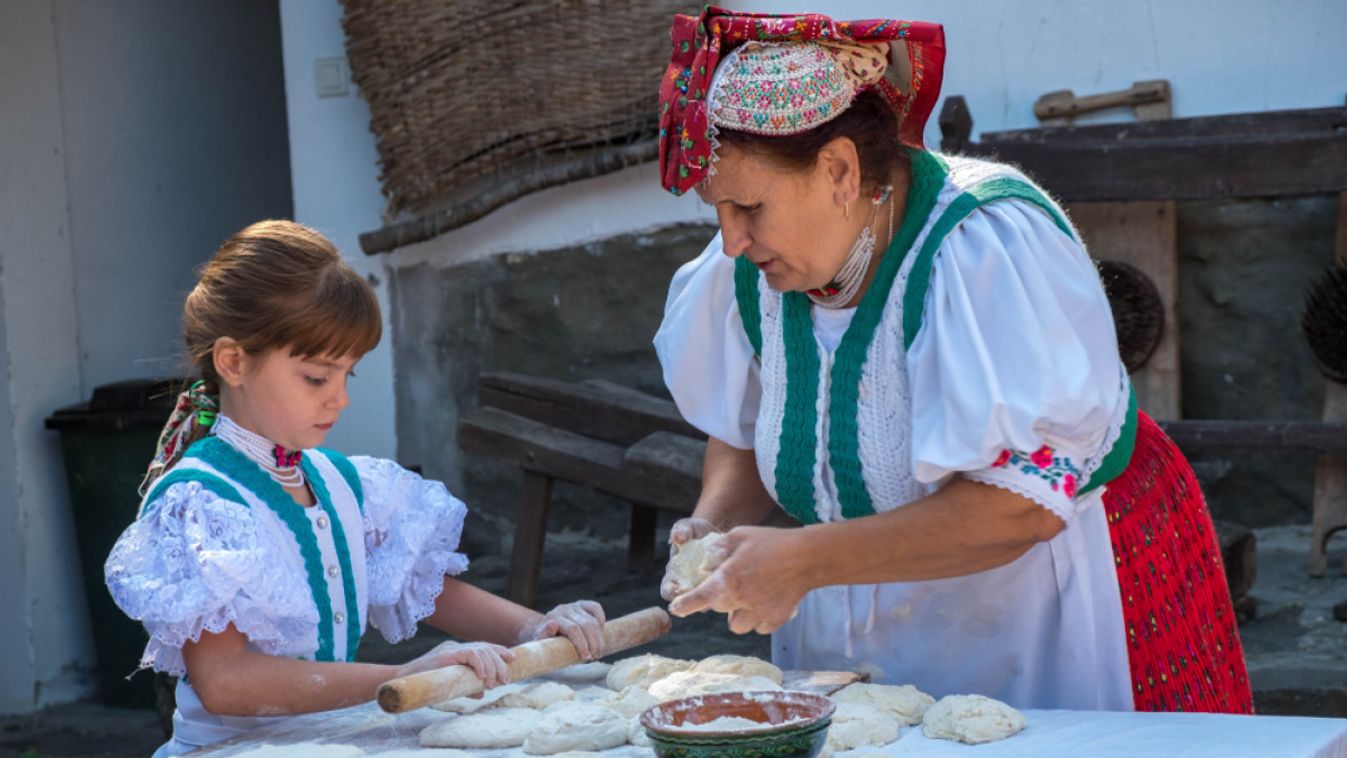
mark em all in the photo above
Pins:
pixel 698 42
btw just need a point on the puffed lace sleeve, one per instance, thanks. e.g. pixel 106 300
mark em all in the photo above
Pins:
pixel 1016 379
pixel 196 562
pixel 708 362
pixel 412 527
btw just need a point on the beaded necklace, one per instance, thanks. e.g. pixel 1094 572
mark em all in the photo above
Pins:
pixel 280 464
pixel 840 291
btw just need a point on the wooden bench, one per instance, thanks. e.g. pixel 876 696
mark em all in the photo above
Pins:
pixel 595 434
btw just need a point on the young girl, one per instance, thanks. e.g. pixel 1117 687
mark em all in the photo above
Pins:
pixel 258 558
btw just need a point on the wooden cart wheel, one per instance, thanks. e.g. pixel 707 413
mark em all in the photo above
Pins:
pixel 1138 314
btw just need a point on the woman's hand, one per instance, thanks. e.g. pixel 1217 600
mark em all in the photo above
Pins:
pixel 684 531
pixel 758 581
pixel 489 662
pixel 580 622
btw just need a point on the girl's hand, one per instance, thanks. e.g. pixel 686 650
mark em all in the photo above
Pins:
pixel 757 583
pixel 684 531
pixel 580 622
pixel 489 662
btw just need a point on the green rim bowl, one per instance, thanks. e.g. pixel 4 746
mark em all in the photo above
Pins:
pixel 792 725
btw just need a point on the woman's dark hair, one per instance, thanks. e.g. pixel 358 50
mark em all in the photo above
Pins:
pixel 870 123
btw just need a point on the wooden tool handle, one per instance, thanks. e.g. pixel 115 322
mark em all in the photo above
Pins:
pixel 1065 103
pixel 407 693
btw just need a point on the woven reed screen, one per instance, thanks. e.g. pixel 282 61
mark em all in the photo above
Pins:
pixel 468 96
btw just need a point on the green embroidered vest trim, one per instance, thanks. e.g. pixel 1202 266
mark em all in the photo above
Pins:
pixel 746 297
pixel 348 472
pixel 919 280
pixel 207 480
pixel 221 456
pixel 315 479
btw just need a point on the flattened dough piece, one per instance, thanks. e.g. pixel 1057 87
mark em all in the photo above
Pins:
pixel 593 672
pixel 739 665
pixel 304 750
pixel 576 726
pixel 631 701
pixel 688 683
pixel 905 702
pixel 688 562
pixel 538 695
pixel 642 670
pixel 973 719
pixel 636 734
pixel 498 727
pixel 412 752
pixel 489 699
pixel 856 724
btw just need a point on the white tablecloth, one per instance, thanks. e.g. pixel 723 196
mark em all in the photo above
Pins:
pixel 1103 734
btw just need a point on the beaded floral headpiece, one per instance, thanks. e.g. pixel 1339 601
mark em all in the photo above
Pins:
pixel 853 52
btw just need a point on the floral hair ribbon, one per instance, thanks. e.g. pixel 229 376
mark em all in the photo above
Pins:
pixel 699 42
pixel 193 413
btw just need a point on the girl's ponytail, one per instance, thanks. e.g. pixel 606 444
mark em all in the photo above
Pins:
pixel 191 420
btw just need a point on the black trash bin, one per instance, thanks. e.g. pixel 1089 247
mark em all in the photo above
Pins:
pixel 107 443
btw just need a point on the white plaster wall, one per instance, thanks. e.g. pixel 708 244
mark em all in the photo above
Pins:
pixel 334 175
pixel 175 138
pixel 45 648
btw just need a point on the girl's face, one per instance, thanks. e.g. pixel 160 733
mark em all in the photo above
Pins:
pixel 788 224
pixel 291 400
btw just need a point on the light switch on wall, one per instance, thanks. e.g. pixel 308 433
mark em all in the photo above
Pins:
pixel 331 76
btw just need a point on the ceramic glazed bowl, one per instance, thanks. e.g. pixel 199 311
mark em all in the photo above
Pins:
pixel 786 725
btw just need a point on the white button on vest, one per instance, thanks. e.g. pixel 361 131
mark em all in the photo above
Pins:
pixel 332 571
pixel 322 522
pixel 339 617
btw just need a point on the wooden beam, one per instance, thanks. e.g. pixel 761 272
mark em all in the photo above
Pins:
pixel 1303 436
pixel 564 455
pixel 1181 168
pixel 595 409
pixel 1300 121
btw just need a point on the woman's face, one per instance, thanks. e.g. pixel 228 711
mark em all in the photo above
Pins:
pixel 789 224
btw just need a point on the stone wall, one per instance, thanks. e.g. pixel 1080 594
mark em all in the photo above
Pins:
pixel 590 311
pixel 571 314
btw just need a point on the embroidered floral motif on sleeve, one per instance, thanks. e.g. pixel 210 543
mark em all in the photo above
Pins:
pixel 1058 471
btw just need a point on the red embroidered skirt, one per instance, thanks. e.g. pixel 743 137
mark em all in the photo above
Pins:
pixel 1182 643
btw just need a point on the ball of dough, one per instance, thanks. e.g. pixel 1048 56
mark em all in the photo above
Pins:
pixel 631 701
pixel 636 733
pixel 538 695
pixel 576 726
pixel 498 727
pixel 642 670
pixel 688 683
pixel 739 665
pixel 856 724
pixel 688 563
pixel 973 719
pixel 905 702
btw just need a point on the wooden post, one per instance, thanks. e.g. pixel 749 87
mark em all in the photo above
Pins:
pixel 1144 234
pixel 526 555
pixel 1330 473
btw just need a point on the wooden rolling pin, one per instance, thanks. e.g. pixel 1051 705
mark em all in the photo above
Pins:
pixel 407 693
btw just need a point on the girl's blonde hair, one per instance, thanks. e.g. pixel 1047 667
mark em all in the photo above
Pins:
pixel 274 284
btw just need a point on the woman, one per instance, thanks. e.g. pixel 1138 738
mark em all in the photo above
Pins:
pixel 912 354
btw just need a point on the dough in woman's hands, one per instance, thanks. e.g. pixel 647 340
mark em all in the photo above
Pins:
pixel 498 727
pixel 973 719
pixel 906 703
pixel 642 670
pixel 739 665
pixel 856 724
pixel 688 562
pixel 538 695
pixel 576 726
pixel 688 683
